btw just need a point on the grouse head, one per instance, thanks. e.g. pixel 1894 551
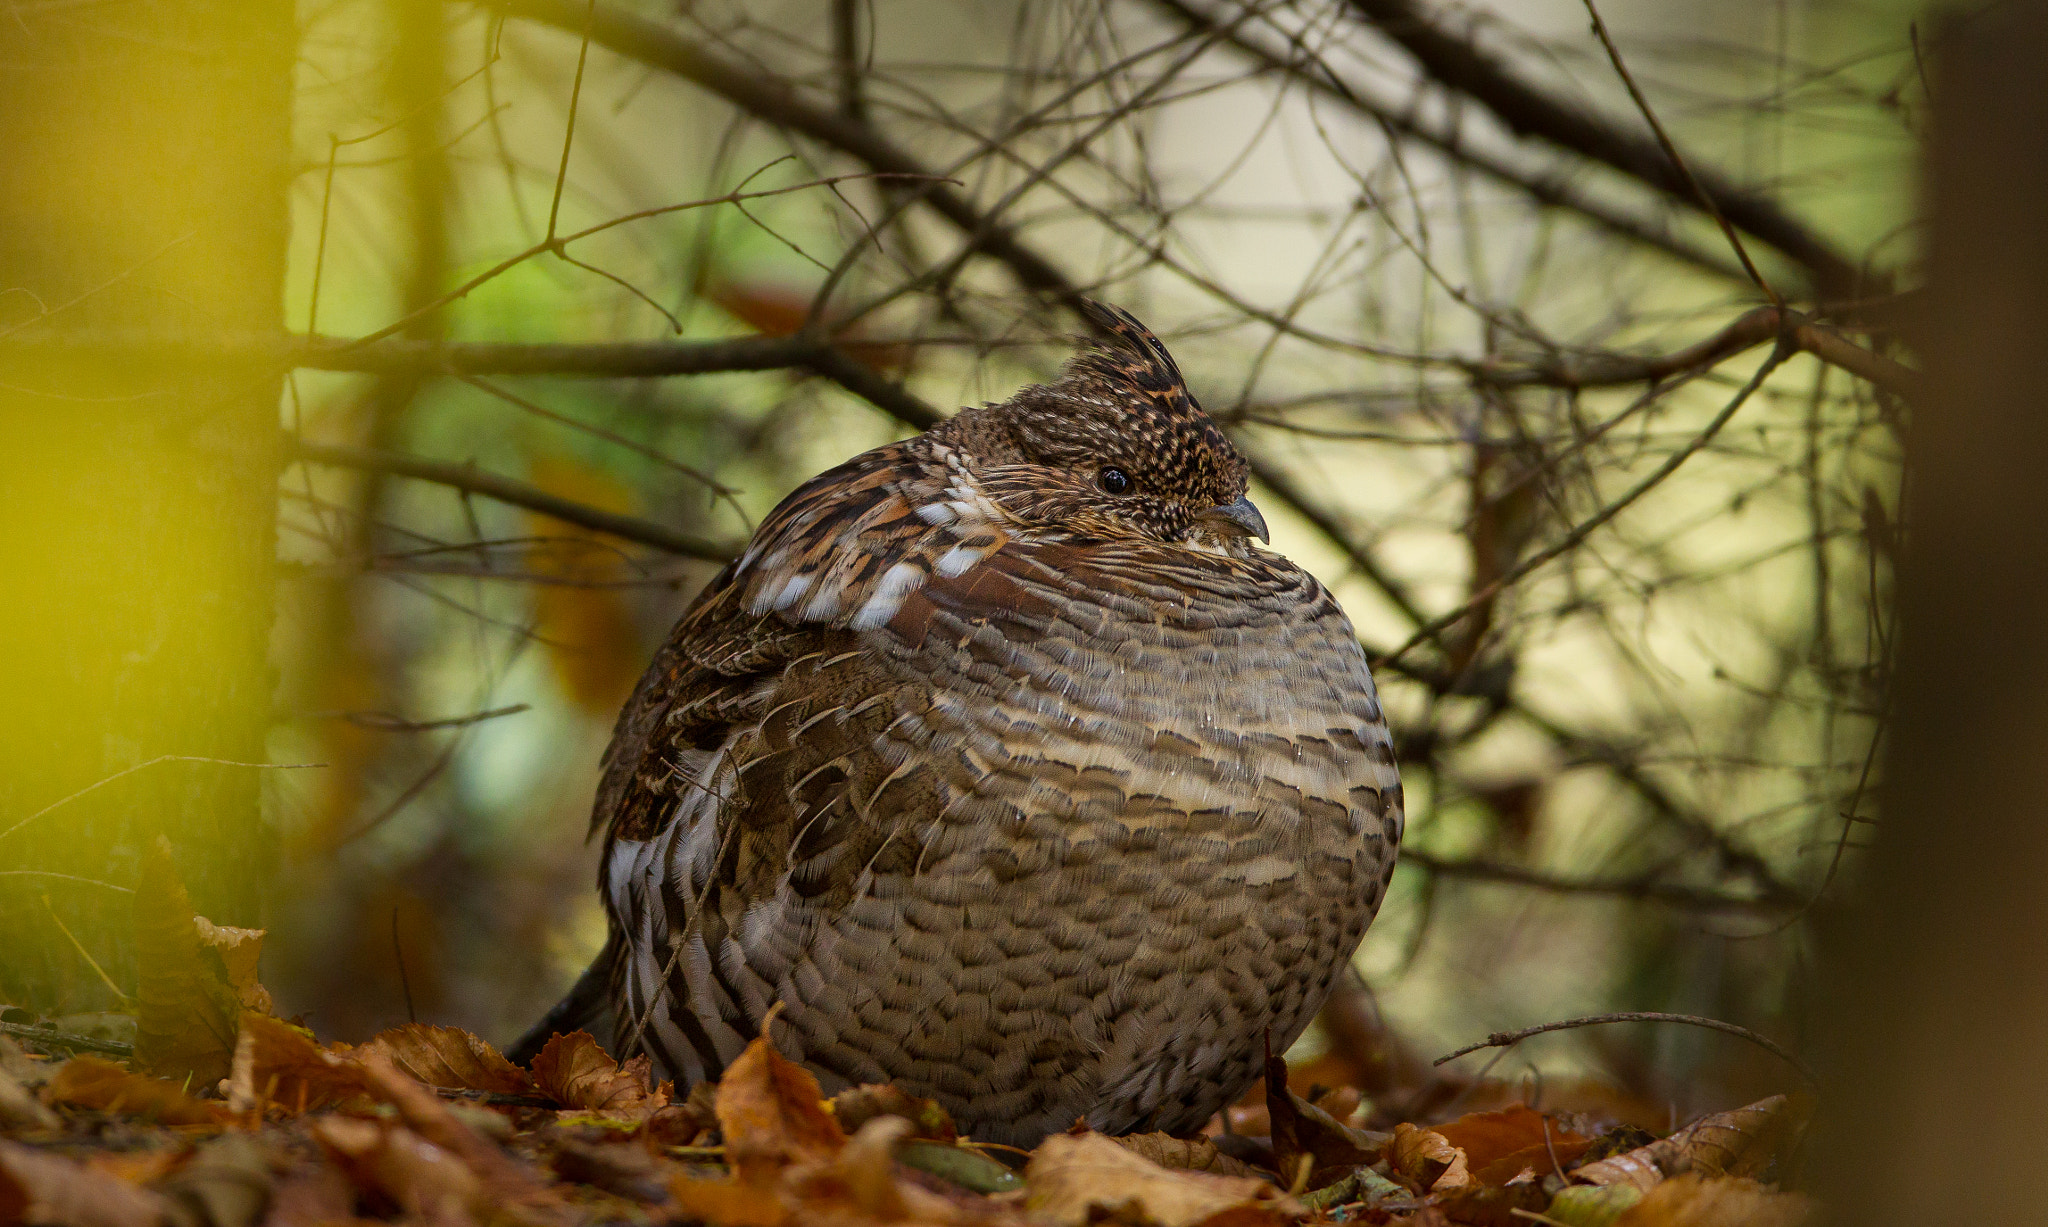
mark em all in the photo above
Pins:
pixel 1116 447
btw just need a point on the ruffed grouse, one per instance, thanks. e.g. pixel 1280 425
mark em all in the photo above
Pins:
pixel 1011 768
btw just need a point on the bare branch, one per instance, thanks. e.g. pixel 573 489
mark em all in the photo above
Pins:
pixel 1459 63
pixel 1501 1039
pixel 469 478
pixel 660 46
pixel 1554 189
pixel 1646 889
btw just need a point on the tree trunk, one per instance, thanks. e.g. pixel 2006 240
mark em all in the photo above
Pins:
pixel 1935 1112
pixel 148 165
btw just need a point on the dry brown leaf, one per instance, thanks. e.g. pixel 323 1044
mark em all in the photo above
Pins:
pixel 1427 1159
pixel 277 1065
pixel 1501 1145
pixel 1743 1142
pixel 228 1183
pixel 1185 1154
pixel 773 1116
pixel 93 1082
pixel 185 1006
pixel 240 950
pixel 450 1057
pixel 576 1073
pixel 421 1179
pixel 1721 1201
pixel 43 1188
pixel 427 1116
pixel 1300 1128
pixel 1078 1179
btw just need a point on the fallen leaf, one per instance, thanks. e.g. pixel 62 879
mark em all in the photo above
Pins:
pixel 1503 1144
pixel 1185 1154
pixel 427 1116
pixel 1428 1160
pixel 1299 1128
pixel 450 1057
pixel 40 1188
pixel 575 1072
pixel 960 1165
pixel 726 1203
pixel 185 1006
pixel 1592 1205
pixel 240 950
pixel 277 1065
pixel 1721 1201
pixel 93 1082
pixel 623 1169
pixel 773 1116
pixel 1744 1142
pixel 228 1183
pixel 411 1173
pixel 857 1107
pixel 1079 1179
pixel 1480 1205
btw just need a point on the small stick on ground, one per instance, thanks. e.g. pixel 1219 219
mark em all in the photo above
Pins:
pixel 1502 1039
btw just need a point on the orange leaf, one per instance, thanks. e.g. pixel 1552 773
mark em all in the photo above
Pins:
pixel 773 1116
pixel 427 1116
pixel 725 1203
pixel 1501 1145
pixel 1428 1160
pixel 449 1057
pixel 278 1065
pixel 239 950
pixel 574 1072
pixel 90 1082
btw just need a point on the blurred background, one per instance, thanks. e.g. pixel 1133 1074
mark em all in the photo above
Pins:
pixel 573 293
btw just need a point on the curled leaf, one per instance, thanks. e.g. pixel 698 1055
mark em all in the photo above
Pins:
pixel 1428 1160
pixel 1744 1142
pixel 574 1072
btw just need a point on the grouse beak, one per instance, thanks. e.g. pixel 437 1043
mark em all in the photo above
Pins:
pixel 1239 517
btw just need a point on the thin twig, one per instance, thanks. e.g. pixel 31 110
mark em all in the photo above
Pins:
pixel 66 1039
pixel 1502 1039
pixel 1707 202
pixel 518 494
pixel 1585 528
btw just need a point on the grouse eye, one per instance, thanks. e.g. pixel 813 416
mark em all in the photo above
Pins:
pixel 1115 481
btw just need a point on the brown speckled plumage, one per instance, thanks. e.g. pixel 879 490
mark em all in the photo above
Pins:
pixel 1045 801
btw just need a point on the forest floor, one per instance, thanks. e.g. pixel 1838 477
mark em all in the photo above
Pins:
pixel 220 1114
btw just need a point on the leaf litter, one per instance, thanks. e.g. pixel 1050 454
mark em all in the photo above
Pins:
pixel 226 1116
